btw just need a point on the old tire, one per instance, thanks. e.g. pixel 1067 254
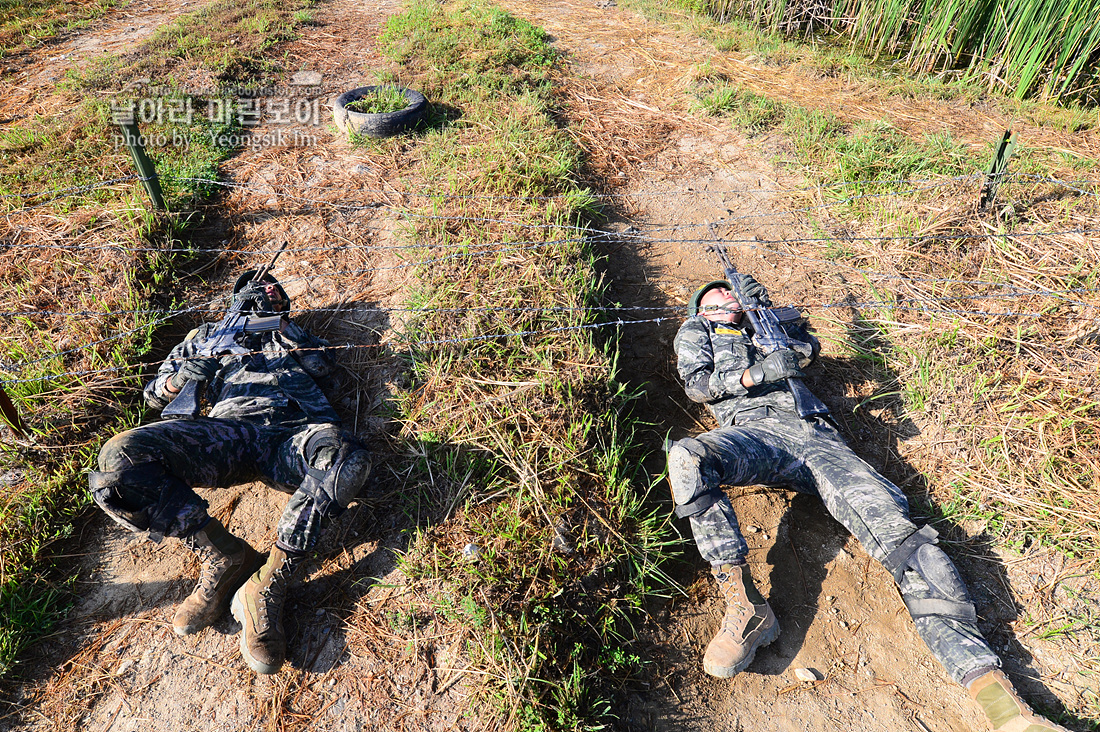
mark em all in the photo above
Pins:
pixel 378 125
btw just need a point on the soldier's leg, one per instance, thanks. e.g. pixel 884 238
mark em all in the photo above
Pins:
pixel 698 467
pixel 145 474
pixel 329 467
pixel 144 483
pixel 877 514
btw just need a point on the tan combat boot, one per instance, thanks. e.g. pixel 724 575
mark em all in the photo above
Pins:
pixel 1007 712
pixel 749 623
pixel 258 607
pixel 226 563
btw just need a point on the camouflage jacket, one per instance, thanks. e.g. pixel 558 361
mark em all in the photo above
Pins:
pixel 274 386
pixel 711 357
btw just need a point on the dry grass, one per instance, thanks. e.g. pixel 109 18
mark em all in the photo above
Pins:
pixel 1016 384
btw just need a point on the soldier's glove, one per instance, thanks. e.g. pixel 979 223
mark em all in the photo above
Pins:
pixel 753 291
pixel 777 366
pixel 199 369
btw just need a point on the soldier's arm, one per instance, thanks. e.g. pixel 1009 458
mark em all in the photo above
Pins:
pixel 703 381
pixel 316 363
pixel 159 392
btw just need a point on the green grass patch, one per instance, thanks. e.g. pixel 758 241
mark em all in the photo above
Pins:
pixel 26 24
pixel 831 151
pixel 518 438
pixel 382 101
pixel 229 40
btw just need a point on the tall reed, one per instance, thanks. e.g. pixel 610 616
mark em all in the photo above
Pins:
pixel 1047 48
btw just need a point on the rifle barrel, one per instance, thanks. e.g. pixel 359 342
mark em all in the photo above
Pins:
pixel 262 271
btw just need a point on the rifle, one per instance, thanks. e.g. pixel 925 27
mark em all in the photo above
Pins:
pixel 222 341
pixel 768 333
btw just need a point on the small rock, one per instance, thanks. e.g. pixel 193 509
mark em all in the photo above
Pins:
pixel 124 667
pixel 806 674
pixel 752 529
pixel 471 552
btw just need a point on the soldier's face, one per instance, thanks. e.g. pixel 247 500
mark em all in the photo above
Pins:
pixel 275 298
pixel 719 305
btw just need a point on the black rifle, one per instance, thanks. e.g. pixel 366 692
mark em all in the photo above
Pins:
pixel 768 334
pixel 222 341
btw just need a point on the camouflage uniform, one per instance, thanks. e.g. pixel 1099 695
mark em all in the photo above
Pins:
pixel 269 421
pixel 762 440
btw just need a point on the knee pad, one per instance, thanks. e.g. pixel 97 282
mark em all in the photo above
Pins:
pixel 691 495
pixel 338 468
pixel 949 597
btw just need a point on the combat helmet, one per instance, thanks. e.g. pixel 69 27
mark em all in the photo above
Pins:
pixel 693 303
pixel 250 294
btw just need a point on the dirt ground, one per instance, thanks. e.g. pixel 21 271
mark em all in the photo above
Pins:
pixel 115 663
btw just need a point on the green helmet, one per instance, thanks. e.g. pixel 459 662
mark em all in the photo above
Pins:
pixel 693 303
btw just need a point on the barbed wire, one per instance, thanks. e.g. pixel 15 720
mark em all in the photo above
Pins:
pixel 926 183
pixel 89 346
pixel 75 190
pixel 344 347
pixel 602 235
pixel 919 305
pixel 349 305
pixel 617 323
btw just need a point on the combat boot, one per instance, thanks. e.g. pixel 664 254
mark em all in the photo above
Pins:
pixel 749 623
pixel 1007 712
pixel 258 607
pixel 226 563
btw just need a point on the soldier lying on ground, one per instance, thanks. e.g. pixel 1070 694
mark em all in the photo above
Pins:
pixel 268 421
pixel 762 440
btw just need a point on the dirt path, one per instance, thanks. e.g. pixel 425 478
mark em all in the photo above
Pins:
pixel 117 665
pixel 840 612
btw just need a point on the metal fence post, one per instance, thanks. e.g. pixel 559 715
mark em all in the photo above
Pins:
pixel 997 168
pixel 144 165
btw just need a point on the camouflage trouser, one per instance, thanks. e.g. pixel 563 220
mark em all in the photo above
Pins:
pixel 146 473
pixel 810 456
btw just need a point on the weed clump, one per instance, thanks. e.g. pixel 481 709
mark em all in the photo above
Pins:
pixel 382 101
pixel 513 405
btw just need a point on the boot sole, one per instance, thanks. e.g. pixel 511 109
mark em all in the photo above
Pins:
pixel 683 474
pixel 237 608
pixel 255 562
pixel 730 671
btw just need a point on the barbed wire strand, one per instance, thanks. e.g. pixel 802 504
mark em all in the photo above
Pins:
pixel 928 183
pixel 591 308
pixel 410 344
